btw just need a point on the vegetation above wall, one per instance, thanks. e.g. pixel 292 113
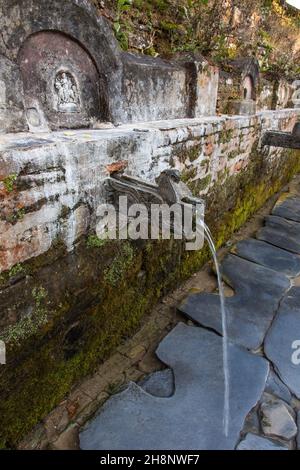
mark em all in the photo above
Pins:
pixel 220 30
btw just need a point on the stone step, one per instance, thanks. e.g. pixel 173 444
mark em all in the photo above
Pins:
pixel 269 256
pixel 288 208
pixel 254 442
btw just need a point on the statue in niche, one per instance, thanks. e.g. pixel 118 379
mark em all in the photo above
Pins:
pixel 67 92
pixel 248 88
pixel 296 94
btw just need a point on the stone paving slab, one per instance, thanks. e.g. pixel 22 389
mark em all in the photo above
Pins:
pixel 288 209
pixel 254 442
pixel 277 419
pixel 192 418
pixel 258 291
pixel 269 256
pixel 279 341
pixel 282 233
pixel 159 384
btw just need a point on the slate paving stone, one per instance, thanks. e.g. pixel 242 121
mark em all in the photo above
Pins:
pixel 254 442
pixel 298 425
pixel 282 233
pixel 192 418
pixel 182 407
pixel 277 419
pixel 269 256
pixel 285 330
pixel 250 311
pixel 159 384
pixel 276 387
pixel 288 209
pixel 252 423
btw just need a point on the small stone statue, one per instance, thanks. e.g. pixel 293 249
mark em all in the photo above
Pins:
pixel 67 93
pixel 296 94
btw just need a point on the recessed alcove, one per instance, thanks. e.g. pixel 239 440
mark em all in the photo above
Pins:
pixel 61 76
pixel 238 87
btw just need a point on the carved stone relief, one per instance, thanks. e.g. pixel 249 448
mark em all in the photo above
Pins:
pixel 67 94
pixel 62 77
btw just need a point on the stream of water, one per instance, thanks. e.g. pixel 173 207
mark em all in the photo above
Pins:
pixel 226 410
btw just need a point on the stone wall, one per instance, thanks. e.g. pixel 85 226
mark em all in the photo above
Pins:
pixel 61 287
pixel 51 185
pixel 69 72
pixel 65 43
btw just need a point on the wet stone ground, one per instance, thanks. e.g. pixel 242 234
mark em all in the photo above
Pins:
pixel 181 407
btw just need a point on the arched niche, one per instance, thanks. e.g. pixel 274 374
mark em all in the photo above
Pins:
pixel 77 20
pixel 62 86
pixel 246 71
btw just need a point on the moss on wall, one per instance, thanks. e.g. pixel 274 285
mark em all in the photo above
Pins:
pixel 85 312
pixel 81 305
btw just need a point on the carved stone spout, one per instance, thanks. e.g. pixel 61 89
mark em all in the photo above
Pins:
pixel 168 190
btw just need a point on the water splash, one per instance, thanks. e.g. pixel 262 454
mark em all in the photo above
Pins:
pixel 226 411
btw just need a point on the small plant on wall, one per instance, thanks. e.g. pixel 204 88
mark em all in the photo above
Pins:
pixel 120 27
